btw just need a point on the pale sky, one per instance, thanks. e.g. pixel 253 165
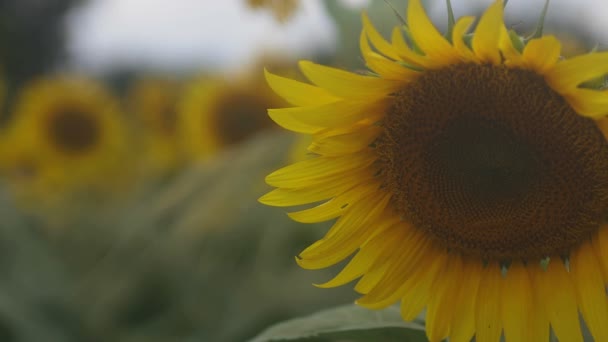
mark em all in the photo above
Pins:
pixel 224 35
pixel 190 34
pixel 588 14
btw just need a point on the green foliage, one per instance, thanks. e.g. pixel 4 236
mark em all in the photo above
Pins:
pixel 34 288
pixel 194 257
pixel 346 323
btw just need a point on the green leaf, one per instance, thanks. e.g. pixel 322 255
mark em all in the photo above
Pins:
pixel 517 41
pixel 349 322
pixel 451 20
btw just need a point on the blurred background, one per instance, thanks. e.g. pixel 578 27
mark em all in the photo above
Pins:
pixel 134 143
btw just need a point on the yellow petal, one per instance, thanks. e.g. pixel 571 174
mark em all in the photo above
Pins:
pixel 418 289
pixel 378 41
pixel 298 93
pixel 538 327
pixel 444 300
pixel 348 85
pixel 427 37
pixel 321 213
pixel 346 143
pixel 487 312
pixel 291 197
pixel 391 249
pixel 406 53
pixel 350 231
pixel 487 34
pixel 460 29
pixel 382 66
pixel 292 123
pixel 373 277
pixel 318 170
pixel 542 54
pixel 516 303
pixel 591 293
pixel 331 115
pixel 392 286
pixel 364 259
pixel 568 74
pixel 462 327
pixel 557 295
pixel 334 207
pixel 602 124
pixel 600 243
pixel 332 187
pixel 589 102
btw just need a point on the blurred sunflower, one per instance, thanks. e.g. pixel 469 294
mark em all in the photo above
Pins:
pixel 153 101
pixel 215 114
pixel 282 9
pixel 67 133
pixel 467 175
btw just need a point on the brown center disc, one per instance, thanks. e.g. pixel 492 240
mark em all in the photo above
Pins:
pixel 491 162
pixel 72 131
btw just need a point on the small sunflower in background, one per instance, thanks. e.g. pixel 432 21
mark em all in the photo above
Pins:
pixel 153 101
pixel 67 134
pixel 215 114
pixel 467 173
pixel 281 9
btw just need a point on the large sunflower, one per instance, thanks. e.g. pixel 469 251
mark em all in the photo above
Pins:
pixel 215 114
pixel 467 175
pixel 66 133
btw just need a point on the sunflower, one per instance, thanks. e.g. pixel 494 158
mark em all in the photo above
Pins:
pixel 153 101
pixel 467 173
pixel 215 114
pixel 67 133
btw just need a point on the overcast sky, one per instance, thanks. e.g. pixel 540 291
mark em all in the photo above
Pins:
pixel 186 34
pixel 194 34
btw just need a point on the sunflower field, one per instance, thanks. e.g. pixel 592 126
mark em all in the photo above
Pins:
pixel 288 170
